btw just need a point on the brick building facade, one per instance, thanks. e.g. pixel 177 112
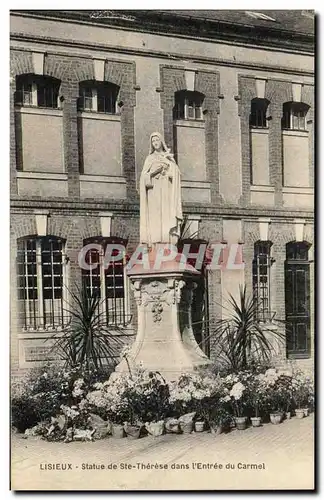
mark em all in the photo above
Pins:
pixel 233 94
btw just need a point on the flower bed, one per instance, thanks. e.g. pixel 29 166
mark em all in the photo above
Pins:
pixel 71 405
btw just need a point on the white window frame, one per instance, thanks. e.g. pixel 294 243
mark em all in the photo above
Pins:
pixel 184 106
pixel 37 320
pixel 94 102
pixel 103 298
pixel 194 108
pixel 34 97
pixel 301 117
pixel 264 314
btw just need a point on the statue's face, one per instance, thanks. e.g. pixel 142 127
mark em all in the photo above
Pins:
pixel 156 143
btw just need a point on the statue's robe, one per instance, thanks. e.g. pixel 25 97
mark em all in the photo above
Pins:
pixel 160 201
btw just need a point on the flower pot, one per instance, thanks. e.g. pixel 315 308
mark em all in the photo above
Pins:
pixel 172 426
pixel 299 413
pixel 117 431
pixel 240 423
pixel 216 429
pixel 256 421
pixel 288 415
pixel 276 418
pixel 306 412
pixel 132 431
pixel 186 427
pixel 199 426
pixel 155 428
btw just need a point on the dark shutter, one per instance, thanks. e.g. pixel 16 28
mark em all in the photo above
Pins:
pixel 297 294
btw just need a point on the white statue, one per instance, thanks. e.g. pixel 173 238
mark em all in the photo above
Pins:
pixel 160 195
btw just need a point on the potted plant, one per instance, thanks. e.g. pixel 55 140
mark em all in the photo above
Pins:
pixel 199 425
pixel 186 422
pixel 155 428
pixel 172 425
pixel 133 430
pixel 220 419
pixel 117 423
pixel 256 391
pixel 275 395
pixel 238 404
pixel 181 394
pixel 287 392
pixel 146 395
pixel 302 391
pixel 86 340
pixel 132 424
pixel 240 338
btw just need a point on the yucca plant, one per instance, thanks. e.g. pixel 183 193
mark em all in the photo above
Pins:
pixel 241 340
pixel 87 341
pixel 185 233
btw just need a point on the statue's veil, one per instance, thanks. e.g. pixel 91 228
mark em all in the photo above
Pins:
pixel 164 146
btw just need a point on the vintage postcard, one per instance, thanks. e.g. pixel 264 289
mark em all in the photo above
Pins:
pixel 162 250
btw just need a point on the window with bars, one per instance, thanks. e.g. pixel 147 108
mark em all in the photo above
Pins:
pixel 188 105
pixel 258 115
pixel 98 97
pixel 40 91
pixel 294 116
pixel 108 281
pixel 261 279
pixel 40 270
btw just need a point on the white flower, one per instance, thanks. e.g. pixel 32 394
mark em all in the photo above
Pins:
pixel 97 399
pixel 77 391
pixel 237 390
pixel 69 412
pixel 83 404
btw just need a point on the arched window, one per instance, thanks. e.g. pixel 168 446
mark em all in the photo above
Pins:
pixel 98 97
pixel 40 271
pixel 297 300
pixel 188 105
pixel 107 278
pixel 294 116
pixel 35 90
pixel 261 279
pixel 258 115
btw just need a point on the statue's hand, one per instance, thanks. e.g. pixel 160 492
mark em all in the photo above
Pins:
pixel 169 156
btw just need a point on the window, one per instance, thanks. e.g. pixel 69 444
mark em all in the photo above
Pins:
pixel 297 300
pixel 41 91
pixel 258 116
pixel 99 97
pixel 188 105
pixel 294 116
pixel 200 299
pixel 40 282
pixel 261 279
pixel 108 282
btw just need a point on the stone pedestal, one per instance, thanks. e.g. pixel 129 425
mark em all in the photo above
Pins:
pixel 165 341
